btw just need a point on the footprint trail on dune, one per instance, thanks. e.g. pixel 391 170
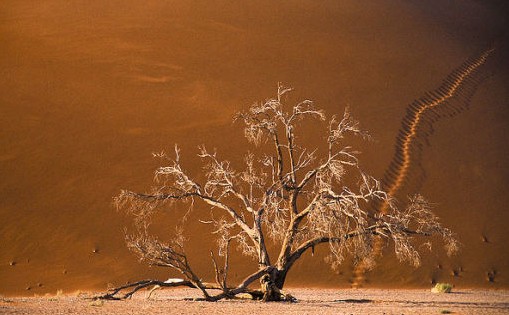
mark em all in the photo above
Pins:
pixel 405 172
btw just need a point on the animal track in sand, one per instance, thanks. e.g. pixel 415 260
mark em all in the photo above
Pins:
pixel 449 99
pixel 461 85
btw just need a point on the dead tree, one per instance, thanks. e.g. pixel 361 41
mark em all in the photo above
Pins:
pixel 290 198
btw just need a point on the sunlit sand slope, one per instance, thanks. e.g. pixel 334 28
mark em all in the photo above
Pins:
pixel 89 89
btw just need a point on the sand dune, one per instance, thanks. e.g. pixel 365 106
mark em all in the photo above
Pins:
pixel 89 89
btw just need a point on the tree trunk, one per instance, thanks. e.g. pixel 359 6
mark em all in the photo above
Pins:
pixel 280 278
pixel 272 286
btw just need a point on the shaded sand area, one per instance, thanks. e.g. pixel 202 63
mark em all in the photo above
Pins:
pixel 89 89
pixel 311 301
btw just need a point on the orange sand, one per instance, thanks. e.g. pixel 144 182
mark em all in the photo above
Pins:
pixel 89 89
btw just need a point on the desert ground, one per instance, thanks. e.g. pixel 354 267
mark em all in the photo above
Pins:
pixel 90 89
pixel 311 301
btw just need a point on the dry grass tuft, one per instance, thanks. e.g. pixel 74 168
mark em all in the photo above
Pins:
pixel 442 288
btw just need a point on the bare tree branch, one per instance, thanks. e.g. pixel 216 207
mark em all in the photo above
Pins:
pixel 293 197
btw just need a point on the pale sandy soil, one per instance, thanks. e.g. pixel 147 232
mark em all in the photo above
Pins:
pixel 311 301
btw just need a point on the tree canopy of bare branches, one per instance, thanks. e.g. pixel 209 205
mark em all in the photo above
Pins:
pixel 291 197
